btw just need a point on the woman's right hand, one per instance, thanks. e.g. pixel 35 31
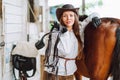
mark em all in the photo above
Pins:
pixel 56 25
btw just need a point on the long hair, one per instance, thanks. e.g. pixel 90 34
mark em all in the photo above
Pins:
pixel 76 31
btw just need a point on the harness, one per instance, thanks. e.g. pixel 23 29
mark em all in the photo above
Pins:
pixel 55 55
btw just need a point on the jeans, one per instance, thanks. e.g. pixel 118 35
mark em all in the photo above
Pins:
pixel 49 76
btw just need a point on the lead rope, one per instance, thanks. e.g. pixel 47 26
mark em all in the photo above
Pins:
pixel 55 55
pixel 48 49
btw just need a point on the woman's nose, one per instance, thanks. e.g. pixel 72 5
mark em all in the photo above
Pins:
pixel 68 17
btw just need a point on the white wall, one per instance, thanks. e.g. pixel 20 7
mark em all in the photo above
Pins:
pixel 14 30
pixel 1 48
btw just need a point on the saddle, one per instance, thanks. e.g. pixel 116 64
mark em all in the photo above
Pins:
pixel 24 58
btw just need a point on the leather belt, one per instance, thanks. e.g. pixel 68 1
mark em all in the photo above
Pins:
pixel 66 59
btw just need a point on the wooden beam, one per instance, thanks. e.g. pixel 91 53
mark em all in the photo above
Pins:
pixel 83 7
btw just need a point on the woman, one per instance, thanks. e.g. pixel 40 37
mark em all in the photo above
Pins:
pixel 65 43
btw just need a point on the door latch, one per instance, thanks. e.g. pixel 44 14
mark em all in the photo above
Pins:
pixel 2 44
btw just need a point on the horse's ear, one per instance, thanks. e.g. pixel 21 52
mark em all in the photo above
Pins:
pixel 82 17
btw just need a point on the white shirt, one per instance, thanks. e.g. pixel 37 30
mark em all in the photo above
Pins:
pixel 68 48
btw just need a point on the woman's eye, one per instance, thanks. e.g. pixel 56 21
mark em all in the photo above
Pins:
pixel 71 15
pixel 64 15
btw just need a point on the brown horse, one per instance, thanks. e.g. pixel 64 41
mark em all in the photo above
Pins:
pixel 101 56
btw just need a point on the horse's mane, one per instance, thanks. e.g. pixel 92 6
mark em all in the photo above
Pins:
pixel 112 20
pixel 104 19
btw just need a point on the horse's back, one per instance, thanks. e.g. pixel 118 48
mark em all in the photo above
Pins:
pixel 98 48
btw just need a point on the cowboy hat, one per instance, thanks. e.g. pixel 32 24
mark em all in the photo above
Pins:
pixel 66 7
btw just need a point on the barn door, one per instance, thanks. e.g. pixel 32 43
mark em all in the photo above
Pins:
pixel 1 53
pixel 1 41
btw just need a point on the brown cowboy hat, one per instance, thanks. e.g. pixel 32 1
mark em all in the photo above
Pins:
pixel 66 7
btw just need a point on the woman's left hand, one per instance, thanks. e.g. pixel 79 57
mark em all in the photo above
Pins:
pixel 96 21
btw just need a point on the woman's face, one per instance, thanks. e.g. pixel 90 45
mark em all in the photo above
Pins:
pixel 68 18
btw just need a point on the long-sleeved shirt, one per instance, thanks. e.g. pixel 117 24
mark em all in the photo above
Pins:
pixel 68 48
